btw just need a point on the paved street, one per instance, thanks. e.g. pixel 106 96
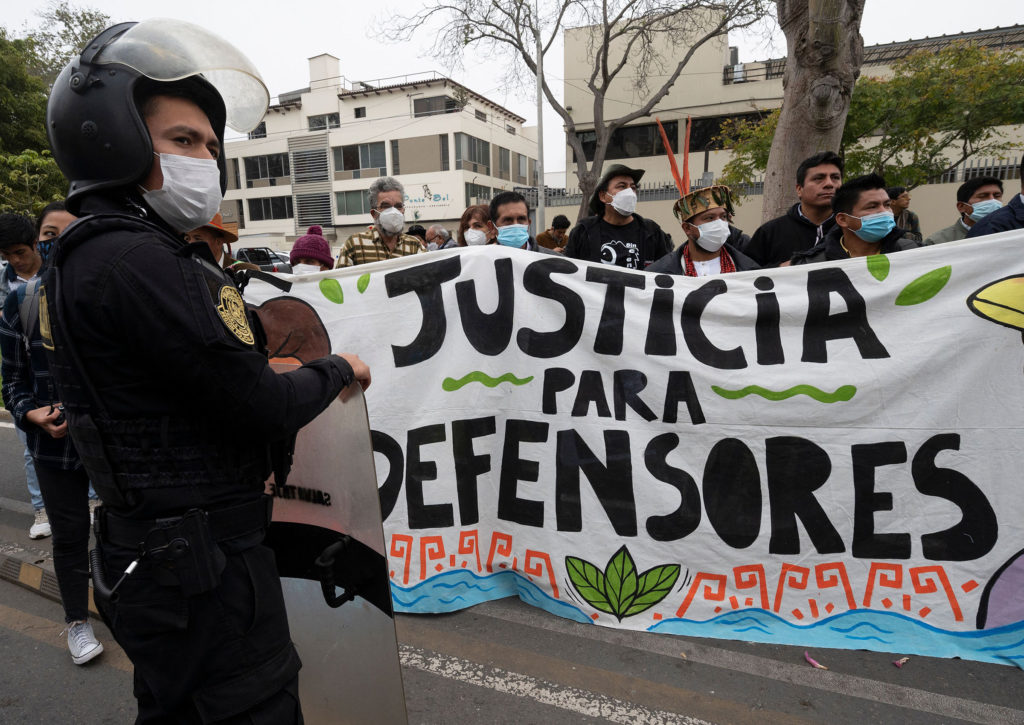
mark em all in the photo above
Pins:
pixel 505 662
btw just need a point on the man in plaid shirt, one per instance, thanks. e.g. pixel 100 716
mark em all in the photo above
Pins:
pixel 385 239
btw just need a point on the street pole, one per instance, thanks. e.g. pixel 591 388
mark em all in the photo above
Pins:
pixel 541 226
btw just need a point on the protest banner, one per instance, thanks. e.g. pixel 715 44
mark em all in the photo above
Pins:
pixel 827 455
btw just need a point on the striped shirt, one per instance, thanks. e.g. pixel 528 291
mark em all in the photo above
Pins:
pixel 366 247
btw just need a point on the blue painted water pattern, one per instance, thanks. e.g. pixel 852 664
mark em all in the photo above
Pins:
pixel 879 631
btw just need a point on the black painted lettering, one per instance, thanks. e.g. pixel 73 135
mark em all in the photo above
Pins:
pixel 821 325
pixel 766 329
pixel 609 331
pixel 556 380
pixel 389 490
pixel 684 520
pixel 680 389
pixel 515 469
pixel 423 515
pixel 700 346
pixel 425 280
pixel 469 465
pixel 611 482
pixel 488 332
pixel 591 390
pixel 732 493
pixel 797 468
pixel 866 501
pixel 977 531
pixel 626 387
pixel 537 280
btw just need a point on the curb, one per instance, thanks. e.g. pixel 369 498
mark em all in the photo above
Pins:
pixel 36 578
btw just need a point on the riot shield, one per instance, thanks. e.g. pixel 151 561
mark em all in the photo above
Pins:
pixel 329 541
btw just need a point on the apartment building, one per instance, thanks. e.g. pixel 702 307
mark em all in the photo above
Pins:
pixel 716 86
pixel 318 149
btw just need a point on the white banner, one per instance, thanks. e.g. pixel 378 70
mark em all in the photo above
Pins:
pixel 824 455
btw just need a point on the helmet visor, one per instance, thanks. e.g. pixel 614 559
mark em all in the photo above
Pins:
pixel 163 49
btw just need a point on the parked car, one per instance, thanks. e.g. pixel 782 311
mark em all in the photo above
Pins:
pixel 264 258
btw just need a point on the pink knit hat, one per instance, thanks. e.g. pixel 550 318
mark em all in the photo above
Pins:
pixel 312 246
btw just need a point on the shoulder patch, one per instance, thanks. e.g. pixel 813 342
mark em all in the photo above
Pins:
pixel 232 313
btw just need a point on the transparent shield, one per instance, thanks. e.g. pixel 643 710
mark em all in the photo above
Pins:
pixel 164 49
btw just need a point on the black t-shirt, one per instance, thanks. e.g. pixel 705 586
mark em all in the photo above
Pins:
pixel 621 246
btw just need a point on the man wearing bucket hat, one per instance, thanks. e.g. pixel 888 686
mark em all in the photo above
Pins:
pixel 616 234
pixel 704 215
pixel 170 400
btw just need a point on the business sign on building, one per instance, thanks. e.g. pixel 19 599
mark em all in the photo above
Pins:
pixel 824 455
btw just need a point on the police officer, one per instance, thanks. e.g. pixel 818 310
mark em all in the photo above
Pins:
pixel 167 390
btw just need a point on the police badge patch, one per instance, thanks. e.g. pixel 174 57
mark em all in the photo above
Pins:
pixel 232 311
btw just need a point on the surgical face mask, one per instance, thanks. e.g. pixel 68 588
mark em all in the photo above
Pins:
pixel 983 208
pixel 304 268
pixel 713 235
pixel 514 235
pixel 475 236
pixel 874 227
pixel 624 202
pixel 391 221
pixel 190 195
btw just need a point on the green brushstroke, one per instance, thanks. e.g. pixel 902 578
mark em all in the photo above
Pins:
pixel 924 287
pixel 363 282
pixel 331 289
pixel 842 394
pixel 451 384
pixel 878 265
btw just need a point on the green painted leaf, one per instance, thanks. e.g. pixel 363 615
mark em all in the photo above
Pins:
pixel 653 586
pixel 620 581
pixel 878 266
pixel 331 289
pixel 363 282
pixel 924 287
pixel 589 582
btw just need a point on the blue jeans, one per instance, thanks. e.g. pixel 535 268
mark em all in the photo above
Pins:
pixel 30 471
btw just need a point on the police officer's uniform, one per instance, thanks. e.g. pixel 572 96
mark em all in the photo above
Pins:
pixel 175 412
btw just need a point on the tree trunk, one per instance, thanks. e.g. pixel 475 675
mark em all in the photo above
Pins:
pixel 824 54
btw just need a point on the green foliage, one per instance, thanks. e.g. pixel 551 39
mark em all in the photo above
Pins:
pixel 63 31
pixel 29 181
pixel 937 110
pixel 619 590
pixel 331 289
pixel 878 266
pixel 22 98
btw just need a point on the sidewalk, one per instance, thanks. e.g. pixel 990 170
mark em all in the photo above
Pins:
pixel 24 561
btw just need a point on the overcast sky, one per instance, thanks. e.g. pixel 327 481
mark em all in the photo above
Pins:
pixel 279 38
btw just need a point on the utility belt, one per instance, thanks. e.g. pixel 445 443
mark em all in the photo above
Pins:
pixel 183 550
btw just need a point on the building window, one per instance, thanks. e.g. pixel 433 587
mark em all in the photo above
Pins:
pixel 504 163
pixel 444 152
pixel 269 170
pixel 361 112
pixel 313 209
pixel 324 121
pixel 359 161
pixel 480 116
pixel 259 132
pixel 395 165
pixel 477 194
pixel 234 180
pixel 271 207
pixel 510 129
pixel 433 106
pixel 521 168
pixel 352 202
pixel 472 154
pixel 309 165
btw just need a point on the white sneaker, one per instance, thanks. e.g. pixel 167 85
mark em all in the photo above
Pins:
pixel 82 642
pixel 40 529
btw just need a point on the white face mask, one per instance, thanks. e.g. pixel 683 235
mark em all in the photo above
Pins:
pixel 304 268
pixel 391 221
pixel 713 235
pixel 475 236
pixel 190 195
pixel 624 202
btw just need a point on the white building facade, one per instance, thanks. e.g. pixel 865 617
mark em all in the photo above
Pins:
pixel 318 149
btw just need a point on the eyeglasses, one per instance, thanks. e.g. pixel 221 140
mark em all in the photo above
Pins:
pixel 385 207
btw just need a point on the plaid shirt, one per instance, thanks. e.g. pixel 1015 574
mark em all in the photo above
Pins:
pixel 27 386
pixel 366 247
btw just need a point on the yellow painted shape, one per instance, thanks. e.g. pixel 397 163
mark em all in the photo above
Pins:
pixel 31 576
